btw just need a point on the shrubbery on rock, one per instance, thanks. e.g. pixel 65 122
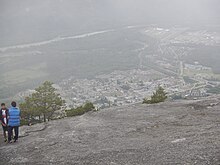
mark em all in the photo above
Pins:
pixel 159 96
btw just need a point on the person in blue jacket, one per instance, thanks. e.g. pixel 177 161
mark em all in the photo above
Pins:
pixel 13 121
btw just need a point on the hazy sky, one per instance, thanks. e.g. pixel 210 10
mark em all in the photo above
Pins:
pixel 36 19
pixel 130 8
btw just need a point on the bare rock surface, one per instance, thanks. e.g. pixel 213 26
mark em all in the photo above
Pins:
pixel 183 132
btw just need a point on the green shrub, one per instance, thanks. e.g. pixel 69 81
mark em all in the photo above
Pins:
pixel 159 96
pixel 88 107
pixel 23 122
pixel 80 110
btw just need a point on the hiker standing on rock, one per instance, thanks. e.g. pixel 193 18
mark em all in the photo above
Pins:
pixel 13 121
pixel 4 119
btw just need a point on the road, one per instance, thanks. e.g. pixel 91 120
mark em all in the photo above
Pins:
pixel 59 38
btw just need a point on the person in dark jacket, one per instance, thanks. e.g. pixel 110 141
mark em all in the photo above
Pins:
pixel 4 119
pixel 13 121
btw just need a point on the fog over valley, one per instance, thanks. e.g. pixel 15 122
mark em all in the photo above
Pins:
pixel 30 21
pixel 62 40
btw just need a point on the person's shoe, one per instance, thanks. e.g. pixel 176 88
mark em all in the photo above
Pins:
pixel 15 141
pixel 9 142
pixel 6 140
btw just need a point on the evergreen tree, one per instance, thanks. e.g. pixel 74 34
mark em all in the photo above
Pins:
pixel 159 96
pixel 44 102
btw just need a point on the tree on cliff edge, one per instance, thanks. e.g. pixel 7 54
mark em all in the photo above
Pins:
pixel 159 96
pixel 44 102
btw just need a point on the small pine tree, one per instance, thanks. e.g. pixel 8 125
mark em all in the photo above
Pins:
pixel 159 96
pixel 45 101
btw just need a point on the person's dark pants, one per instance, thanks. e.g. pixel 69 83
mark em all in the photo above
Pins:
pixel 5 129
pixel 10 132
